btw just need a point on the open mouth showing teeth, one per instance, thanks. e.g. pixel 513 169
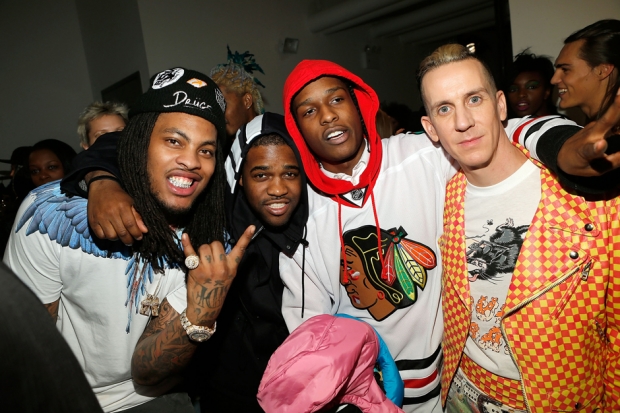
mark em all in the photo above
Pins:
pixel 277 206
pixel 334 134
pixel 180 182
pixel 562 91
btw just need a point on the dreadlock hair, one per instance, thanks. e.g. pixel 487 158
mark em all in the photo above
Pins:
pixel 235 79
pixel 206 219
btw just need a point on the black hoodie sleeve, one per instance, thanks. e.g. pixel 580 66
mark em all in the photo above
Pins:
pixel 548 149
pixel 101 156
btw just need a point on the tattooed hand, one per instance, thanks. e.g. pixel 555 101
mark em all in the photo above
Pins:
pixel 164 348
pixel 208 284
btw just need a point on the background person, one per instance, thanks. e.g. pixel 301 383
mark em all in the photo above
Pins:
pixel 100 118
pixel 240 88
pixel 49 160
pixel 529 89
pixel 587 68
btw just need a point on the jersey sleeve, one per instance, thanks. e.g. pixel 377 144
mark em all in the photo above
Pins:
pixel 35 259
pixel 543 137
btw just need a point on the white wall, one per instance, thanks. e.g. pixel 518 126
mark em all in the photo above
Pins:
pixel 195 33
pixel 544 24
pixel 113 42
pixel 44 80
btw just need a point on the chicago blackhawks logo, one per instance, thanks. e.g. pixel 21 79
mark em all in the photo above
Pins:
pixel 386 279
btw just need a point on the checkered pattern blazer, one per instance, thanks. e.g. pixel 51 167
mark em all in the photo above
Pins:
pixel 562 313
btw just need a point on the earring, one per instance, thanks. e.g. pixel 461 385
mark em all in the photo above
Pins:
pixel 380 295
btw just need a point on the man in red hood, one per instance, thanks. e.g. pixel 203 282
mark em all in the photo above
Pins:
pixel 375 218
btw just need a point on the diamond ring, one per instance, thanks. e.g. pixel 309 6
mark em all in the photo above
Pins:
pixel 192 262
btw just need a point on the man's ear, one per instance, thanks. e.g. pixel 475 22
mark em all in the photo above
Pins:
pixel 502 109
pixel 241 181
pixel 604 70
pixel 247 100
pixel 429 128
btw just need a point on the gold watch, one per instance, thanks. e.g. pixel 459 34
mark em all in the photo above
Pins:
pixel 196 333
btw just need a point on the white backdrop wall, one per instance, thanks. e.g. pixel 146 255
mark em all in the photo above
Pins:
pixel 543 25
pixel 44 80
pixel 57 56
pixel 195 33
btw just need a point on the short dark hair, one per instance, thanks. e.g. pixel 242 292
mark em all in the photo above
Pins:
pixel 601 45
pixel 529 62
pixel 272 139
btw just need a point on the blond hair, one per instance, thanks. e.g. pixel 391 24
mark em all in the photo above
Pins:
pixel 450 53
pixel 96 110
pixel 235 79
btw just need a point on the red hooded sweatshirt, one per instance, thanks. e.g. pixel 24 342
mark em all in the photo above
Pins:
pixel 306 72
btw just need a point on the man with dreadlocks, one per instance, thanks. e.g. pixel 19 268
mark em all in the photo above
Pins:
pixel 240 88
pixel 109 299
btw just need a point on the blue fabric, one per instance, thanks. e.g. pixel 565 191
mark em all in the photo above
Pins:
pixel 392 382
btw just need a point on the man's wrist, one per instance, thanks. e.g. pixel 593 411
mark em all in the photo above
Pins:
pixel 93 174
pixel 196 332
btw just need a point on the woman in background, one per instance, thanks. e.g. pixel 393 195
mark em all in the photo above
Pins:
pixel 49 160
pixel 529 87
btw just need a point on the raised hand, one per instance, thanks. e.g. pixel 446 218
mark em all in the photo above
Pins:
pixel 584 154
pixel 164 348
pixel 208 284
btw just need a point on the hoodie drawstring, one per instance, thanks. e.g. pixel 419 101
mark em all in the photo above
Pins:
pixel 374 211
pixel 304 244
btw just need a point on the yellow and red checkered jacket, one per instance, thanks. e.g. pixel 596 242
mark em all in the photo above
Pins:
pixel 562 312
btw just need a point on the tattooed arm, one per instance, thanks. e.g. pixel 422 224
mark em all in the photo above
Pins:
pixel 164 348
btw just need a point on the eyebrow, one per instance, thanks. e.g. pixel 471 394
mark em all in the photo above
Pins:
pixel 266 168
pixel 327 92
pixel 187 138
pixel 560 65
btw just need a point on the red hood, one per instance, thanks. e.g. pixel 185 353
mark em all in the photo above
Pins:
pixel 304 73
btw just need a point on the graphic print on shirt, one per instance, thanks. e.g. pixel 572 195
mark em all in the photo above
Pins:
pixel 383 281
pixel 499 254
pixel 491 263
